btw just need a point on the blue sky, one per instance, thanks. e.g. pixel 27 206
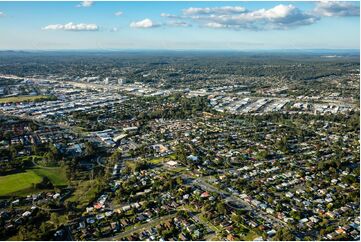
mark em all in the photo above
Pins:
pixel 179 25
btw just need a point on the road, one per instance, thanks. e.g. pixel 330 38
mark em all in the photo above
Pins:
pixel 245 205
pixel 230 198
pixel 68 233
pixel 140 228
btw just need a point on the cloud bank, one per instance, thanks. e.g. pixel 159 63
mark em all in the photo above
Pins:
pixel 72 27
pixel 237 17
pixel 217 10
pixel 279 17
pixel 330 9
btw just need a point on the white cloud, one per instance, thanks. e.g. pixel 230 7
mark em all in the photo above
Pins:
pixel 329 9
pixel 215 25
pixel 114 29
pixel 279 17
pixel 144 24
pixel 167 15
pixel 72 27
pixel 119 13
pixel 2 14
pixel 85 4
pixel 216 10
pixel 178 24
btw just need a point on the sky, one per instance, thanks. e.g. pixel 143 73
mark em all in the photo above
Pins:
pixel 179 25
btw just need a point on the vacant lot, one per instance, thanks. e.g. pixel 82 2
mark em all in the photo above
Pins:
pixel 85 192
pixel 37 98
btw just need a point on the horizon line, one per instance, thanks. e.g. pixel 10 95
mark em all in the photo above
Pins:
pixel 181 49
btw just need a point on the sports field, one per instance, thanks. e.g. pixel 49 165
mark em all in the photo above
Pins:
pixel 23 182
pixel 13 183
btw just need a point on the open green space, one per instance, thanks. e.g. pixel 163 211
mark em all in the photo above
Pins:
pixel 85 192
pixel 159 160
pixel 23 183
pixel 56 175
pixel 13 183
pixel 38 98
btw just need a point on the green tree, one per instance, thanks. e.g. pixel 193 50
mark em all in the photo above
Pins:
pixel 89 149
pixel 284 234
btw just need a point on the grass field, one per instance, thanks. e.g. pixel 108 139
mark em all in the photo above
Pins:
pixel 159 160
pixel 23 183
pixel 16 182
pixel 56 175
pixel 37 98
pixel 84 193
pixel 156 160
